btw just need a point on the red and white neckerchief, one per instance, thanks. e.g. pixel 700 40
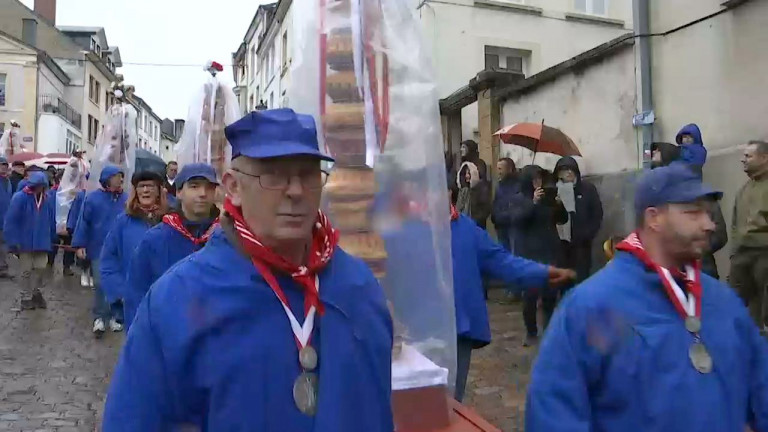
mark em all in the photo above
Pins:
pixel 454 213
pixel 174 221
pixel 686 305
pixel 324 241
pixel 39 198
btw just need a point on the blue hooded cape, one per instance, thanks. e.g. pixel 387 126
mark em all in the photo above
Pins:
pixel 121 242
pixel 212 347
pixel 6 192
pixel 100 209
pixel 615 358
pixel 159 249
pixel 696 153
pixel 27 228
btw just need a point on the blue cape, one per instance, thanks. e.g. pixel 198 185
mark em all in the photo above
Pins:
pixel 27 228
pixel 211 346
pixel 125 235
pixel 100 209
pixel 6 192
pixel 615 358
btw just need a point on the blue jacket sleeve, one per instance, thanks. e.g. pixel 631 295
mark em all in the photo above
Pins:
pixel 80 237
pixel 558 398
pixel 74 213
pixel 140 396
pixel 11 224
pixel 498 263
pixel 502 210
pixel 111 265
pixel 758 390
pixel 52 219
pixel 139 280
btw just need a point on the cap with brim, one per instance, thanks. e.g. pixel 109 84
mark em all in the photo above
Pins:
pixel 196 171
pixel 3 160
pixel 673 184
pixel 274 133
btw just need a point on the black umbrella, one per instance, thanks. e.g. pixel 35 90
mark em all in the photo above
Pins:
pixel 146 161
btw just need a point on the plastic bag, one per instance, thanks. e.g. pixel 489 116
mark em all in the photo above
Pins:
pixel 116 145
pixel 213 108
pixel 72 182
pixel 387 192
pixel 11 142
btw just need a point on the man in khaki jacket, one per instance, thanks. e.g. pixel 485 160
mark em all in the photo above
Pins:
pixel 749 258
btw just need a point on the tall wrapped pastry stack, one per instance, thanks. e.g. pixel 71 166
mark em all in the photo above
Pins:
pixel 386 193
pixel 72 181
pixel 213 107
pixel 11 142
pixel 117 141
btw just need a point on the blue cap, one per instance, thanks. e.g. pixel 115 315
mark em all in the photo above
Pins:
pixel 673 184
pixel 274 133
pixel 196 170
pixel 3 160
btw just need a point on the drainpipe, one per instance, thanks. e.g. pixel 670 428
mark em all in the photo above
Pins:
pixel 642 27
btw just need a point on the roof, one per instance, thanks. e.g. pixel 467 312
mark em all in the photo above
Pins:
pixel 49 38
pixel 117 60
pixel 270 7
pixel 87 30
pixel 42 57
pixel 581 61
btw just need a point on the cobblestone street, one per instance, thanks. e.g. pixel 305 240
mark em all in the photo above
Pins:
pixel 53 373
pixel 500 372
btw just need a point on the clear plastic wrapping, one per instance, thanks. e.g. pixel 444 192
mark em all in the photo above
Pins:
pixel 116 144
pixel 72 181
pixel 361 68
pixel 213 107
pixel 11 142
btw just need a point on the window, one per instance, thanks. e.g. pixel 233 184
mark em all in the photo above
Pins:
pixel 491 61
pixel 72 142
pixel 145 123
pixel 156 137
pixel 285 49
pixel 3 77
pixel 271 100
pixel 250 104
pixel 2 128
pixel 506 59
pixel 94 90
pixel 93 129
pixel 592 7
pixel 253 61
pixel 514 63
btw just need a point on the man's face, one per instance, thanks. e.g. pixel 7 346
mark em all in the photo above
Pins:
pixel 753 161
pixel 503 170
pixel 4 169
pixel 567 176
pixel 148 191
pixel 684 228
pixel 464 150
pixel 171 170
pixel 686 139
pixel 19 169
pixel 116 181
pixel 196 196
pixel 279 197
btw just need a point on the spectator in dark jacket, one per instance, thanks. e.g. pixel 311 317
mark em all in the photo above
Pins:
pixel 19 170
pixel 474 197
pixel 507 188
pixel 470 153
pixel 535 215
pixel 584 222
pixel 663 154
pixel 171 171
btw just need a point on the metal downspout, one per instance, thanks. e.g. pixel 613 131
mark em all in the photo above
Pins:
pixel 642 27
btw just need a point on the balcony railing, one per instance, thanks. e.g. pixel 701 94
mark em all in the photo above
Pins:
pixel 54 104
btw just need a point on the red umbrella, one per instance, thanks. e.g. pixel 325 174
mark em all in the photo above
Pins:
pixel 537 137
pixel 24 157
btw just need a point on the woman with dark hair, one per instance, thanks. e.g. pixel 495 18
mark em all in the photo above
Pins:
pixel 535 213
pixel 143 210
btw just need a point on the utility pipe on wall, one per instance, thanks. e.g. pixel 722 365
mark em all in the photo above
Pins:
pixel 642 25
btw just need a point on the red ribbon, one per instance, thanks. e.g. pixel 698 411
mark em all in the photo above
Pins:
pixel 174 221
pixel 454 213
pixel 633 245
pixel 324 241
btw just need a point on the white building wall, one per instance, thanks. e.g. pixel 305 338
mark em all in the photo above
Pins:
pixel 594 108
pixel 458 31
pixel 19 65
pixel 56 135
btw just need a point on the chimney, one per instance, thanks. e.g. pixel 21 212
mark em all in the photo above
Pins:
pixel 29 31
pixel 179 127
pixel 46 9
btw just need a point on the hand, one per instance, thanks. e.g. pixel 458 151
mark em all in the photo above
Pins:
pixel 538 194
pixel 81 253
pixel 558 276
pixel 62 231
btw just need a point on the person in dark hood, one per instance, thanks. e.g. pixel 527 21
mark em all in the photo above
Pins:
pixel 18 172
pixel 584 218
pixel 663 154
pixel 470 153
pixel 474 196
pixel 535 213
pixel 692 150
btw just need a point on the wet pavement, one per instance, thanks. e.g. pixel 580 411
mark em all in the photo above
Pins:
pixel 500 372
pixel 53 373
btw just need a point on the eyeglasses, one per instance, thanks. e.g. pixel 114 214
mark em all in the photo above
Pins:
pixel 311 180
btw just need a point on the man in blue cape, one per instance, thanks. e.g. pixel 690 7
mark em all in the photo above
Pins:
pixel 184 230
pixel 650 343
pixel 30 231
pixel 271 326
pixel 97 216
pixel 6 192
